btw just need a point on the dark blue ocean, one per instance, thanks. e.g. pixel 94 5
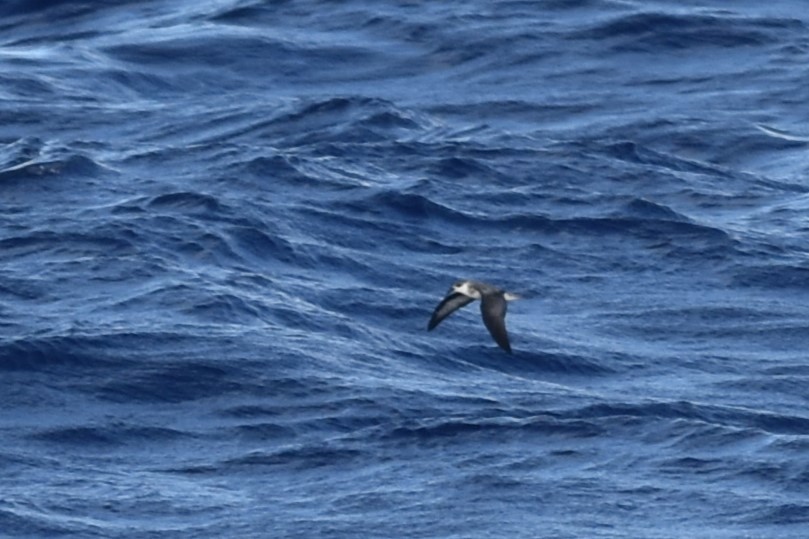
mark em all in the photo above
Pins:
pixel 224 226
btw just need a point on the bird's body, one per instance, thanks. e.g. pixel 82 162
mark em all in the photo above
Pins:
pixel 493 303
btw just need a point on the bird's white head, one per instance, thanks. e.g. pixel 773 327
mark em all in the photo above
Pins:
pixel 465 288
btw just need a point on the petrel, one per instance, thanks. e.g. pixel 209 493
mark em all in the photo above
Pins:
pixel 492 307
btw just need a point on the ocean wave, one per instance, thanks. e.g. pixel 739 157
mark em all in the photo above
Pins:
pixel 42 169
pixel 173 382
pixel 657 31
pixel 187 201
pixel 99 438
pixel 22 520
pixel 466 429
pixel 298 457
pixel 82 244
pixel 773 276
pixel 781 514
pixel 640 218
pixel 722 416
pixel 408 205
pixel 52 353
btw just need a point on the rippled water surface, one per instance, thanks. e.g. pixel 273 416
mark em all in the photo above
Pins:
pixel 224 226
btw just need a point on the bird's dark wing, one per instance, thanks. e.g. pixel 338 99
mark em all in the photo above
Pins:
pixel 493 308
pixel 448 305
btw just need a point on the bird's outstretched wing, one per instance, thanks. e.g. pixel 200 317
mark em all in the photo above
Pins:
pixel 493 308
pixel 448 305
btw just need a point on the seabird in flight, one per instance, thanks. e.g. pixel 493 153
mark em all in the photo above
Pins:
pixel 492 307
